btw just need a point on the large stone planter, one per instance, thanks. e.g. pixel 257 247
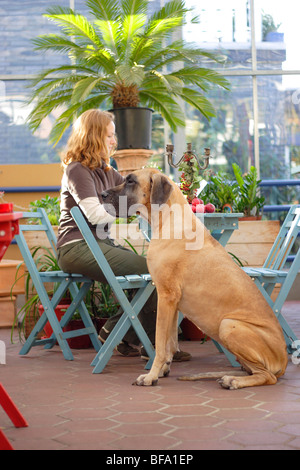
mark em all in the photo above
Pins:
pixel 129 160
pixel 8 271
pixel 7 311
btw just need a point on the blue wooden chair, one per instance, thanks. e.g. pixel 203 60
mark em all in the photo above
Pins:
pixel 144 288
pixel 274 271
pixel 76 284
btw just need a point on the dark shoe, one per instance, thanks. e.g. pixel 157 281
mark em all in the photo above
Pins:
pixel 179 356
pixel 123 348
pixel 103 334
pixel 126 350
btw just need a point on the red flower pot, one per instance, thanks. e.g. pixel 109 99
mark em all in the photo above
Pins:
pixel 59 311
pixel 191 332
pixel 79 342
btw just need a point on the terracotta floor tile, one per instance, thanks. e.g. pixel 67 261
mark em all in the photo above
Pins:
pixel 259 438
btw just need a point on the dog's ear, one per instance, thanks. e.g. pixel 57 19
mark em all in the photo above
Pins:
pixel 161 189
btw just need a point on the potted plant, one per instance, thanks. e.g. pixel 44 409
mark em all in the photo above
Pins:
pixel 249 200
pixel 221 191
pixel 270 29
pixel 52 207
pixel 121 59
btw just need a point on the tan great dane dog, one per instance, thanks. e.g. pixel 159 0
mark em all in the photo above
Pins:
pixel 194 274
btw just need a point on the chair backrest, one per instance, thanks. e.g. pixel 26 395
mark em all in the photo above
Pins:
pixel 285 240
pixel 43 225
pixel 280 251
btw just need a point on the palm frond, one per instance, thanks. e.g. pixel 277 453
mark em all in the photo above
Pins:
pixel 130 74
pixel 73 24
pixel 173 8
pixel 198 101
pixel 201 77
pixel 107 10
pixel 44 107
pixel 68 116
pixel 165 105
pixel 54 42
pixel 84 88
pixel 170 83
pixel 59 72
pixel 107 20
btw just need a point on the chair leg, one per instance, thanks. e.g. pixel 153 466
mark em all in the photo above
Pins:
pixel 115 337
pixel 11 409
pixel 57 333
pixel 4 442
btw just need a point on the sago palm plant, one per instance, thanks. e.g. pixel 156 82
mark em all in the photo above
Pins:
pixel 121 58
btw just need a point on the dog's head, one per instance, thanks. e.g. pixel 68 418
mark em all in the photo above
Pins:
pixel 140 190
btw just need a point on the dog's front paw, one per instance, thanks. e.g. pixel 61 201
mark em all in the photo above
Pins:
pixel 145 380
pixel 228 382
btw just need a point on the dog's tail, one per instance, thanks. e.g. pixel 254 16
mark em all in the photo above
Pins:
pixel 212 375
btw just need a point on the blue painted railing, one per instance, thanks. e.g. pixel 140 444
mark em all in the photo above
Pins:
pixel 30 189
pixel 272 183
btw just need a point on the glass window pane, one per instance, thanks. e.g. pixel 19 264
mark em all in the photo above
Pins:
pixel 18 144
pixel 277 34
pixel 279 127
pixel 21 21
pixel 224 27
pixel 230 134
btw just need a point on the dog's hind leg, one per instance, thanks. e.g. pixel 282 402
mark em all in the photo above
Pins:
pixel 253 353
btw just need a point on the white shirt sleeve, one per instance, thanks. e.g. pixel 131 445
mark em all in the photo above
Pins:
pixel 95 212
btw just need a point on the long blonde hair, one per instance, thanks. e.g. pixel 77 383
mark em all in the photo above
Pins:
pixel 86 143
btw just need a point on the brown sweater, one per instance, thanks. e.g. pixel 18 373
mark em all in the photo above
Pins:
pixel 78 183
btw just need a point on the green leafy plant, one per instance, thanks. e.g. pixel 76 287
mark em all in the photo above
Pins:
pixel 100 301
pixel 221 191
pixel 268 25
pixel 122 57
pixel 249 200
pixel 51 206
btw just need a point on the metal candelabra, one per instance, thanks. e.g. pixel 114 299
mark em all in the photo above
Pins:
pixel 202 165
